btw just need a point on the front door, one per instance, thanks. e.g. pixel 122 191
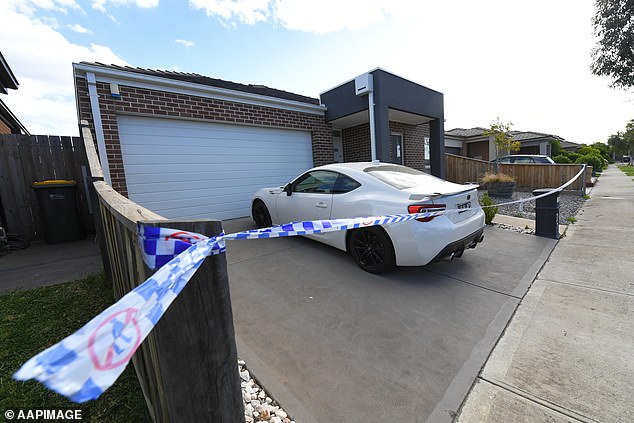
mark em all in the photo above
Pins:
pixel 396 149
pixel 337 144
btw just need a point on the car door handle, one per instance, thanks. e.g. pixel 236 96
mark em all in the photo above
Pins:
pixel 321 205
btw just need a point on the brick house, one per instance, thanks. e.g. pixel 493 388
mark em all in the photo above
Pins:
pixel 473 143
pixel 190 146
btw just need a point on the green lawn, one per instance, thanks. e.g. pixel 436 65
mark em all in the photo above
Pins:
pixel 33 320
pixel 628 170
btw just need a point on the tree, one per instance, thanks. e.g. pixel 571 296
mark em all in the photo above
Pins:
pixel 628 139
pixel 502 138
pixel 618 145
pixel 555 148
pixel 614 54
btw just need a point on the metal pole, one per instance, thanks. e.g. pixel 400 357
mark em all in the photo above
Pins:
pixel 372 130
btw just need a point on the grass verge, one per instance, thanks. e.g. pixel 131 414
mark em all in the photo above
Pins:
pixel 628 170
pixel 36 319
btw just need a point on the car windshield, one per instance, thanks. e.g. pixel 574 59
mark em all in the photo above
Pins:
pixel 399 177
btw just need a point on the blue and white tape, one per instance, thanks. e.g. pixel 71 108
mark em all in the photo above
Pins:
pixel 86 363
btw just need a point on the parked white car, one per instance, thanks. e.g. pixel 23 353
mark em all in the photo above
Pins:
pixel 347 190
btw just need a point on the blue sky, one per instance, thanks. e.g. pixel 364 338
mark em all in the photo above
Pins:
pixel 526 62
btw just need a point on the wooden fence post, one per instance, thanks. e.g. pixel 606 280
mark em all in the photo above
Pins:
pixel 95 174
pixel 195 342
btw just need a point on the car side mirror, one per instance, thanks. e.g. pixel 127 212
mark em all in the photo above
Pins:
pixel 288 189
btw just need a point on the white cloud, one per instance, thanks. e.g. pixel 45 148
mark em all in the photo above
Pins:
pixel 79 29
pixel 52 5
pixel 186 43
pixel 245 11
pixel 41 59
pixel 327 16
pixel 320 17
pixel 142 4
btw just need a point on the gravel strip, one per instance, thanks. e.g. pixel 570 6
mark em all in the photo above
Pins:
pixel 258 405
pixel 569 205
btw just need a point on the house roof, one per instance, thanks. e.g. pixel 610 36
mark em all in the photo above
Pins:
pixel 212 82
pixel 7 79
pixel 529 135
pixel 466 133
pixel 518 135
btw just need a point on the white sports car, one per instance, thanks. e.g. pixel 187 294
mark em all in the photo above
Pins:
pixel 347 190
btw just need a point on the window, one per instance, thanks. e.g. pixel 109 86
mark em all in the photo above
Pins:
pixel 523 160
pixel 316 182
pixel 345 184
pixel 400 177
pixel 504 160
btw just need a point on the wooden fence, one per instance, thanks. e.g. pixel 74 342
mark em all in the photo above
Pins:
pixel 528 176
pixel 187 366
pixel 25 159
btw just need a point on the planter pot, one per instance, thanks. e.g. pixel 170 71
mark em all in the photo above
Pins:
pixel 501 189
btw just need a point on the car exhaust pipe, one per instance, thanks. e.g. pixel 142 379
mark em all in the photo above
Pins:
pixel 456 254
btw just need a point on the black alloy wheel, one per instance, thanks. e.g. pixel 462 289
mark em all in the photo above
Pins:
pixel 372 250
pixel 261 214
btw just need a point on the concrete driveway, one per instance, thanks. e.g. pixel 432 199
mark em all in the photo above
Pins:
pixel 335 344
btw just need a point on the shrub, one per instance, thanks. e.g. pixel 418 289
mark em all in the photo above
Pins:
pixel 585 150
pixel 572 156
pixel 496 177
pixel 562 159
pixel 596 161
pixel 489 209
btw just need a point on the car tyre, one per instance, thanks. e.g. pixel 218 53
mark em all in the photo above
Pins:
pixel 372 249
pixel 260 214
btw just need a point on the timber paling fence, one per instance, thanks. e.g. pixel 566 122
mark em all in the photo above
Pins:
pixel 187 365
pixel 25 159
pixel 527 176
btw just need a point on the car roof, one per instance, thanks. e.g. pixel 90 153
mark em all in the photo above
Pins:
pixel 525 155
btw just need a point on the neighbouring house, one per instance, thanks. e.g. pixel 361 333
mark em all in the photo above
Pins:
pixel 474 144
pixel 191 146
pixel 9 123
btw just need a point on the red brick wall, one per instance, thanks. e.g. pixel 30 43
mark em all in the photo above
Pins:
pixel 161 103
pixel 356 143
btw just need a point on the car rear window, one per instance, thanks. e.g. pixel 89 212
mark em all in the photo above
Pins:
pixel 399 177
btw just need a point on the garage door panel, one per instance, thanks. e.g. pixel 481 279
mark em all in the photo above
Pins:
pixel 158 179
pixel 207 187
pixel 184 169
pixel 195 171
pixel 201 157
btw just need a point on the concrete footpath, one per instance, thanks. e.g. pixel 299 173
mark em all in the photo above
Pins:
pixel 568 353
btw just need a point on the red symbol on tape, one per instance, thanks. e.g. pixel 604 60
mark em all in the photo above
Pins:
pixel 367 222
pixel 182 236
pixel 122 344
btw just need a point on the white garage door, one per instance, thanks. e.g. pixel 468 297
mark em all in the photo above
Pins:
pixel 191 170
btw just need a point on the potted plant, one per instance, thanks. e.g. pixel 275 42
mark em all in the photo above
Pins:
pixel 500 184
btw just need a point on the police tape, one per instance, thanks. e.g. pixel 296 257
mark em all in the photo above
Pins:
pixel 83 365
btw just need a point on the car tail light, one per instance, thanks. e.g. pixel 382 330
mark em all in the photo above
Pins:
pixel 425 208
